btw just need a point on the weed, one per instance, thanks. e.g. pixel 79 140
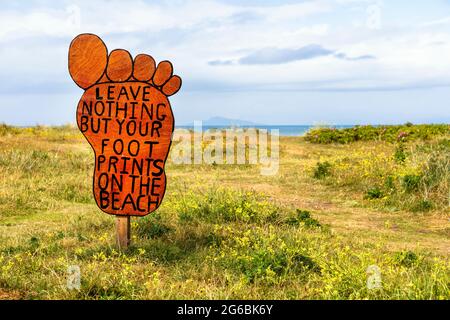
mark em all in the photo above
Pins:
pixel 322 170
pixel 374 193
pixel 406 258
pixel 303 217
pixel 400 154
pixel 226 205
pixel 422 206
pixel 260 255
pixel 411 182
pixel 389 183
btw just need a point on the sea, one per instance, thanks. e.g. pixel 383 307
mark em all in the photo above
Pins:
pixel 284 130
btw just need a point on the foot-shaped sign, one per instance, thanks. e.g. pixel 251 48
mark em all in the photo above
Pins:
pixel 125 115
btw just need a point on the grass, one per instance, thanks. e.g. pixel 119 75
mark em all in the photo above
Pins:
pixel 314 231
pixel 419 182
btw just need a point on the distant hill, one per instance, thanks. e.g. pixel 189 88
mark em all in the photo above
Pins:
pixel 220 121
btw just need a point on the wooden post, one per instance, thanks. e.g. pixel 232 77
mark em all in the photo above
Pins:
pixel 123 229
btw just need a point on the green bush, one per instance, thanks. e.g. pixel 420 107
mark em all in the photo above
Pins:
pixel 422 206
pixel 399 133
pixel 400 154
pixel 262 255
pixel 411 182
pixel 226 205
pixel 389 184
pixel 322 170
pixel 374 193
pixel 303 217
pixel 406 258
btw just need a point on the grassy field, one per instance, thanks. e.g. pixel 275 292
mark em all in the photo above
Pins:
pixel 334 213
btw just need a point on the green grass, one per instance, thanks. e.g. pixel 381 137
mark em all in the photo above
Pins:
pixel 419 182
pixel 226 232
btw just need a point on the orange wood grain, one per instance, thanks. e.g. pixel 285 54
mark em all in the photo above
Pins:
pixel 134 199
pixel 144 67
pixel 163 73
pixel 172 86
pixel 123 227
pixel 88 57
pixel 120 65
pixel 126 117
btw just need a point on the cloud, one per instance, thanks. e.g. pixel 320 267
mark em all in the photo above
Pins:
pixel 273 55
pixel 220 40
pixel 438 22
pixel 220 62
pixel 233 47
pixel 277 56
pixel 244 17
pixel 39 22
pixel 343 56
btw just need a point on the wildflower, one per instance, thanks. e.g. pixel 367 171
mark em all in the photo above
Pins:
pixel 402 136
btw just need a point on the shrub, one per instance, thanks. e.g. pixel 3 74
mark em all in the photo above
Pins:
pixel 411 182
pixel 392 134
pixel 226 205
pixel 374 193
pixel 400 155
pixel 34 242
pixel 389 183
pixel 262 255
pixel 303 217
pixel 422 206
pixel 406 258
pixel 322 170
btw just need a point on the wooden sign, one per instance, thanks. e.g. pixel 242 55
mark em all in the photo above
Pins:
pixel 126 117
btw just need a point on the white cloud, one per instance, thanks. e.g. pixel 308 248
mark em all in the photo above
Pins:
pixel 192 33
pixel 41 22
pixel 437 22
pixel 34 39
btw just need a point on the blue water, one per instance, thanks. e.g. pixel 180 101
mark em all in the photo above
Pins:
pixel 285 130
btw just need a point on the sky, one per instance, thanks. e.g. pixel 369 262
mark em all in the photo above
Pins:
pixel 270 62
